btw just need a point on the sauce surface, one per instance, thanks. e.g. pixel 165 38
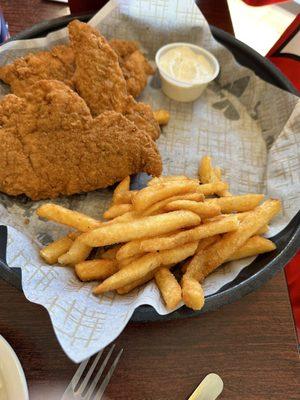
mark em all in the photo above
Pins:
pixel 185 65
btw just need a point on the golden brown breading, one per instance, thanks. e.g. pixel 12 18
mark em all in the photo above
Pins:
pixel 55 64
pixel 52 146
pixel 99 80
pixel 134 65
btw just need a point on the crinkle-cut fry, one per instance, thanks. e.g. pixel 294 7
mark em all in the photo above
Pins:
pixel 55 249
pixel 123 186
pixel 144 198
pixel 111 253
pixel 222 225
pixel 168 287
pixel 192 293
pixel 244 202
pixel 212 188
pixel 253 246
pixel 162 116
pixel 203 209
pixel 203 243
pixel 160 206
pixel 93 270
pixel 62 215
pixel 169 178
pixel 216 254
pixel 77 252
pixel 144 227
pixel 117 210
pixel 124 197
pixel 143 265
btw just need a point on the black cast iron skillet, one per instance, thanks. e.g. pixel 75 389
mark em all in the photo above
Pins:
pixel 265 265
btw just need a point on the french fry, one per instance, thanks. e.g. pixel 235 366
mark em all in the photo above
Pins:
pixel 133 285
pixel 162 116
pixel 212 188
pixel 95 269
pixel 144 227
pixel 192 293
pixel 245 202
pixel 205 170
pixel 125 261
pixel 124 197
pixel 264 229
pixel 128 216
pixel 218 177
pixel 203 209
pixel 146 278
pixel 129 249
pixel 77 252
pixel 55 249
pixel 143 265
pixel 253 246
pixel 74 235
pixel 169 178
pixel 213 256
pixel 242 215
pixel 123 186
pixel 133 248
pixel 110 254
pixel 203 243
pixel 152 194
pixel 62 215
pixel 169 287
pixel 223 225
pixel 117 210
pixel 160 206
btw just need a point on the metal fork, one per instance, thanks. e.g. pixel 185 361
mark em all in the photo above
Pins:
pixel 88 385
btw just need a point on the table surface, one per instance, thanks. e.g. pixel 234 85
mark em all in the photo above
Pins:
pixel 251 344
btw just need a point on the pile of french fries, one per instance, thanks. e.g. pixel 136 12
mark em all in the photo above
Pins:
pixel 196 223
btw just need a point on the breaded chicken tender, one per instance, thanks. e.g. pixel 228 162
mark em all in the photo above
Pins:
pixel 56 64
pixel 134 65
pixel 59 64
pixel 51 145
pixel 99 80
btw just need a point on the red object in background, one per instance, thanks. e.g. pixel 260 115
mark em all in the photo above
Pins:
pixel 85 6
pixel 256 3
pixel 283 57
pixel 292 273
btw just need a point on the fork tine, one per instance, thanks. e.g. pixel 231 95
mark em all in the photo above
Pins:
pixel 101 390
pixel 98 375
pixel 78 373
pixel 89 374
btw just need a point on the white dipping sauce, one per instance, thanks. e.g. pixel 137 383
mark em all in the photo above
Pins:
pixel 185 65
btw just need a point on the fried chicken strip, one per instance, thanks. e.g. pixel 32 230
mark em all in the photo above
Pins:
pixel 99 80
pixel 134 65
pixel 56 64
pixel 52 146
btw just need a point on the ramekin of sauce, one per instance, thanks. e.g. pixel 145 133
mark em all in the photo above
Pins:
pixel 185 70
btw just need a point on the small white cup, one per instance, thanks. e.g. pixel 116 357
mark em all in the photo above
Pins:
pixel 183 91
